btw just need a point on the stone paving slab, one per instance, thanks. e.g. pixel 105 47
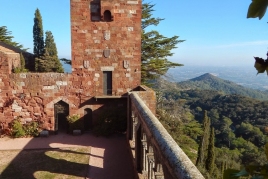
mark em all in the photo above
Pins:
pixel 109 157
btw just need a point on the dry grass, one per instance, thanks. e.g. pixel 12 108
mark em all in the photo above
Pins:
pixel 48 164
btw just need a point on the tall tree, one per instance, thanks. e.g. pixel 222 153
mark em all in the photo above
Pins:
pixel 210 161
pixel 155 47
pixel 50 45
pixel 203 145
pixel 49 62
pixel 38 34
pixel 6 37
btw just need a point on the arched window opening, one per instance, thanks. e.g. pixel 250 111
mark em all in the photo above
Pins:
pixel 107 16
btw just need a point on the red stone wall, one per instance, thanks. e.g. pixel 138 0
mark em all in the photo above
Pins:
pixel 122 39
pixel 32 96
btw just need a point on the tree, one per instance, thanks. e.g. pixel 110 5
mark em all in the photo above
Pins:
pixel 50 45
pixel 211 153
pixel 155 47
pixel 49 62
pixel 38 35
pixel 203 145
pixel 6 37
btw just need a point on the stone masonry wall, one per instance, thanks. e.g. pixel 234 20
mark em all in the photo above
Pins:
pixel 101 45
pixel 112 43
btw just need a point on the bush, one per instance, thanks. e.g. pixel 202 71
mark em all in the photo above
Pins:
pixel 31 129
pixel 17 129
pixel 21 130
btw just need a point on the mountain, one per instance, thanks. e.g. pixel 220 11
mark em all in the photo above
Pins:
pixel 208 81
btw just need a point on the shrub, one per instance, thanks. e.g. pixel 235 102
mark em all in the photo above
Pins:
pixel 17 128
pixel 21 130
pixel 31 128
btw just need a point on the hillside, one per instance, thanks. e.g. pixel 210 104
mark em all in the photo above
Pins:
pixel 211 82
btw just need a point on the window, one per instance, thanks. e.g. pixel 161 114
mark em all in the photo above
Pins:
pixel 107 16
pixel 95 10
pixel 107 83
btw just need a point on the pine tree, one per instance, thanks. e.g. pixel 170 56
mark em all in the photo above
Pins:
pixel 50 45
pixel 49 62
pixel 211 153
pixel 155 47
pixel 203 145
pixel 38 34
pixel 6 37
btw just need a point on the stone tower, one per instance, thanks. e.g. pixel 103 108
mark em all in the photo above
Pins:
pixel 106 46
pixel 106 65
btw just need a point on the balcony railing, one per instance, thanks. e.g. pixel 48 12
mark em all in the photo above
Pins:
pixel 155 153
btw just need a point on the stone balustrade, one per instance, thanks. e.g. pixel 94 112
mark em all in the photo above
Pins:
pixel 155 153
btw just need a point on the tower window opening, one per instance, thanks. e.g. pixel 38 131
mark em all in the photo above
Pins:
pixel 107 16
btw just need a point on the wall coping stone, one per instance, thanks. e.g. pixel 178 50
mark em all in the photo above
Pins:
pixel 182 166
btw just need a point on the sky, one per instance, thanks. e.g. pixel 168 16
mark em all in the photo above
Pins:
pixel 216 33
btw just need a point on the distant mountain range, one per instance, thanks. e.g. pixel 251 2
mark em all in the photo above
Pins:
pixel 208 81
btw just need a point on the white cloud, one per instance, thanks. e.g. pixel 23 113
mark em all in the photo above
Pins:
pixel 243 44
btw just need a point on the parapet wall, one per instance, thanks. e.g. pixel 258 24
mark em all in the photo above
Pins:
pixel 157 155
pixel 30 96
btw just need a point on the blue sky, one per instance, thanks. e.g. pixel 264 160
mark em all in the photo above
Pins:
pixel 217 33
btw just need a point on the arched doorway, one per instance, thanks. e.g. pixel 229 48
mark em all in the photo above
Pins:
pixel 87 119
pixel 107 16
pixel 61 111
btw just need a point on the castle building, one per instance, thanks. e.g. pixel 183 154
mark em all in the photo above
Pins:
pixel 105 80
pixel 106 65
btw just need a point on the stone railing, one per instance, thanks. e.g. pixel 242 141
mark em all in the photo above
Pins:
pixel 155 153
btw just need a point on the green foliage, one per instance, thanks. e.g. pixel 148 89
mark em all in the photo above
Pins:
pixel 203 144
pixel 155 47
pixel 31 128
pixel 257 8
pixel 49 62
pixel 239 124
pixel 110 122
pixel 50 45
pixel 21 130
pixel 209 82
pixel 17 128
pixel 6 37
pixel 210 160
pixel 38 34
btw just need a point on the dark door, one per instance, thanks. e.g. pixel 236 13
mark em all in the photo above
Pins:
pixel 61 111
pixel 107 82
pixel 88 119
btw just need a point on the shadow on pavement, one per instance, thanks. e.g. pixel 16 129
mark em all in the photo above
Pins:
pixel 109 157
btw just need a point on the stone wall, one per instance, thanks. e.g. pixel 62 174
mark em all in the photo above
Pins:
pixel 100 45
pixel 105 38
pixel 156 154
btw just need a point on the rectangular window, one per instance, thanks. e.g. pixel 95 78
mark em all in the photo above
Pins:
pixel 107 83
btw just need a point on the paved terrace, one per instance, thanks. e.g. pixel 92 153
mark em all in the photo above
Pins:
pixel 109 157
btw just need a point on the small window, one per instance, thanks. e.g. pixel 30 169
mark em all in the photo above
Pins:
pixel 107 83
pixel 107 16
pixel 95 11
